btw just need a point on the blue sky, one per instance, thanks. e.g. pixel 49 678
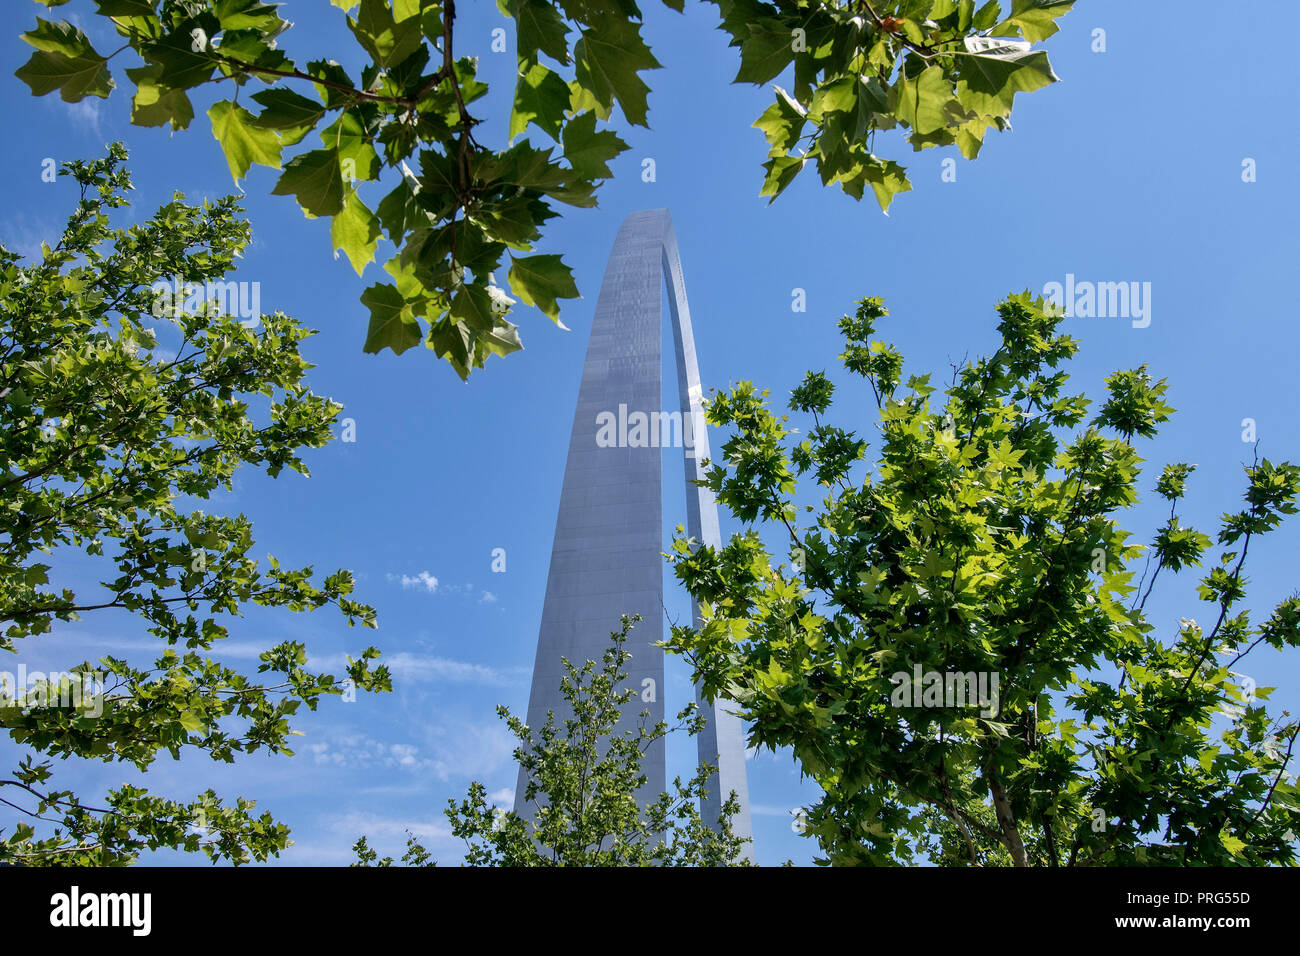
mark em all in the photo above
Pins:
pixel 1130 169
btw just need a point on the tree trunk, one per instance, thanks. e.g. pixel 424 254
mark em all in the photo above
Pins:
pixel 1006 820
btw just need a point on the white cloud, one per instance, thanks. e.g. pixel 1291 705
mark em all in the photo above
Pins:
pixel 418 667
pixel 424 580
pixel 470 750
pixel 358 751
pixel 355 824
pixel 505 797
pixel 86 114
pixel 299 855
pixel 458 752
pixel 404 753
pixel 462 752
pixel 403 664
pixel 395 790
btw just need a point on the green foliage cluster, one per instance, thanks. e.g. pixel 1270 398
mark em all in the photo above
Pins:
pixel 985 539
pixel 414 855
pixel 941 70
pixel 106 439
pixel 585 781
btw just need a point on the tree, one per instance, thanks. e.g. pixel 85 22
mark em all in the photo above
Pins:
pixel 957 652
pixel 584 778
pixel 942 71
pixel 106 440
pixel 414 855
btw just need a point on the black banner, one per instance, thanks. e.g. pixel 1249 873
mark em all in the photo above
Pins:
pixel 148 905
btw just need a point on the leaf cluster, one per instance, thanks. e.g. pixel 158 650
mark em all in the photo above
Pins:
pixel 983 537
pixel 456 208
pixel 586 790
pixel 107 440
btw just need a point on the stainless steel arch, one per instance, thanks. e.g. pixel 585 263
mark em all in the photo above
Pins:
pixel 606 556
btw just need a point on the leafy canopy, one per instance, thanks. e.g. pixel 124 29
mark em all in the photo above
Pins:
pixel 984 540
pixel 456 206
pixel 106 440
pixel 584 784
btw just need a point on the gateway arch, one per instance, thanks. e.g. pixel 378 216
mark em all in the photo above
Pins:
pixel 606 559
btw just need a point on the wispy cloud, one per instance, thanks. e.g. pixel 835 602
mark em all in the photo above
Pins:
pixel 300 855
pixel 456 752
pixel 395 789
pixel 424 581
pixel 425 667
pixel 87 115
pixel 359 751
pixel 470 750
pixel 371 825
pixel 429 583
pixel 403 664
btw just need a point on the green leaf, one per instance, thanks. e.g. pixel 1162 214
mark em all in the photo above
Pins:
pixel 182 66
pixel 405 9
pixel 331 72
pixel 970 137
pixel 243 143
pixel 348 137
pixel 127 8
pixel 503 339
pixel 61 37
pixel 65 61
pixel 540 280
pixel 156 105
pixel 988 84
pixel 473 305
pixel 451 341
pixel 765 53
pixel 1231 843
pixel 608 57
pixel 513 220
pixel 986 16
pixel 540 28
pixel 392 324
pixel 922 100
pixel 781 171
pixel 385 39
pixel 316 180
pixel 589 151
pixel 782 123
pixel 541 98
pixel 356 231
pixel 1035 20
pixel 531 168
pixel 291 114
pixel 839 96
pixel 887 180
pixel 407 282
pixel 247 15
pixel 399 211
